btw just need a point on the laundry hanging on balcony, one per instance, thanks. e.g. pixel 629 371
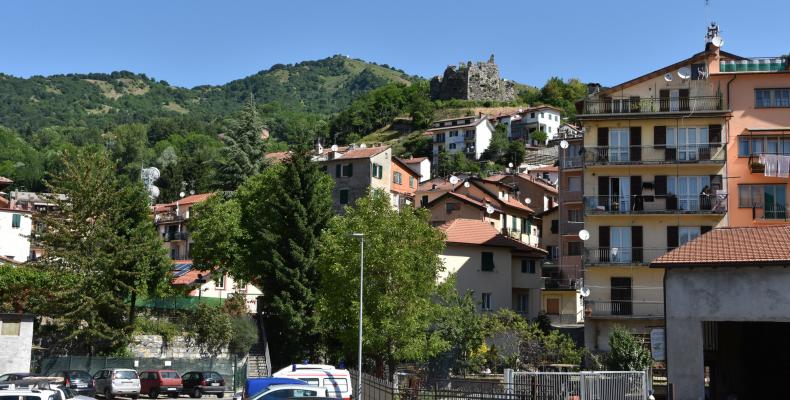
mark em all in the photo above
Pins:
pixel 776 165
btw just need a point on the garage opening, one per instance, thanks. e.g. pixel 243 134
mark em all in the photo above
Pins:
pixel 747 360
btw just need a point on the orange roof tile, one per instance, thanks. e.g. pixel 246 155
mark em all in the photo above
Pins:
pixel 761 245
pixel 360 153
pixel 548 168
pixel 413 160
pixel 480 233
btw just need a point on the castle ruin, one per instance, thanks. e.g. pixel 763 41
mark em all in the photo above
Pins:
pixel 478 81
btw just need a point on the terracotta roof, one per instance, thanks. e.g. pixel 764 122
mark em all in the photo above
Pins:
pixel 360 153
pixel 547 168
pixel 278 156
pixel 442 184
pixel 480 233
pixel 761 245
pixel 405 167
pixel 413 160
pixel 540 182
pixel 184 273
pixel 191 199
pixel 4 180
pixel 467 199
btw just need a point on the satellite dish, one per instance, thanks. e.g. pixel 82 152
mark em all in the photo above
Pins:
pixel 584 292
pixel 153 191
pixel 510 165
pixel 466 184
pixel 684 73
pixel 334 147
pixel 717 41
pixel 489 209
pixel 453 179
pixel 528 200
pixel 191 192
pixel 154 173
pixel 363 146
pixel 584 234
pixel 181 194
pixel 564 144
pixel 668 77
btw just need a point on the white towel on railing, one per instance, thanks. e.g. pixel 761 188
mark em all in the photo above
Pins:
pixel 776 165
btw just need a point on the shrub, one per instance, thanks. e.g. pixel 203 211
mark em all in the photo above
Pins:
pixel 627 352
pixel 245 334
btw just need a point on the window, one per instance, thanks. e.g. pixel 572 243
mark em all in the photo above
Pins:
pixel 548 129
pixel 16 220
pixel 10 328
pixel 541 115
pixel 343 194
pixel 687 234
pixel 771 198
pixel 575 215
pixel 555 226
pixel 749 145
pixel 174 253
pixel 485 304
pixel 411 181
pixel 424 201
pixel 574 183
pixel 453 133
pixel 377 171
pixel 452 146
pixel 532 115
pixel 620 244
pixel 219 283
pixel 619 149
pixel 450 207
pixel 687 141
pixel 397 178
pixel 770 98
pixel 487 261
pixel 527 266
pixel 688 192
pixel 574 248
pixel 344 171
pixel 522 303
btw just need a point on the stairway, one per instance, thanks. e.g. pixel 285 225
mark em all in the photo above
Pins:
pixel 258 362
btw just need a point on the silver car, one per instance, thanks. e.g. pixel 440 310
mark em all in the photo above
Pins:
pixel 117 382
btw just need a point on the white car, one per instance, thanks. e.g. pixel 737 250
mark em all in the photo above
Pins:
pixel 13 393
pixel 275 392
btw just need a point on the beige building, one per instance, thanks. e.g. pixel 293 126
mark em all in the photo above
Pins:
pixel 500 271
pixel 654 157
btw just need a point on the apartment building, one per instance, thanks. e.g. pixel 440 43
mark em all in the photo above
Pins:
pixel 540 118
pixel 469 135
pixel 653 178
pixel 499 271
pixel 355 169
pixel 539 193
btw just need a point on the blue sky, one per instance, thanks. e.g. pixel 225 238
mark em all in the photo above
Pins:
pixel 194 42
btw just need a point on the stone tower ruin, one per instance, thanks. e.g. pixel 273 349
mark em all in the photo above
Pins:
pixel 478 81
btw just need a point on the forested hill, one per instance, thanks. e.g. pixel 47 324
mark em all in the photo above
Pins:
pixel 102 100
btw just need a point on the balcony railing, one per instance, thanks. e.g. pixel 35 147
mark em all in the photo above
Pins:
pixel 571 196
pixel 571 162
pixel 566 319
pixel 776 212
pixel 175 236
pixel 169 217
pixel 624 308
pixel 438 139
pixel 623 255
pixel 647 105
pixel 655 154
pixel 664 204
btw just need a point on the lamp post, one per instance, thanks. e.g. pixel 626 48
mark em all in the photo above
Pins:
pixel 361 237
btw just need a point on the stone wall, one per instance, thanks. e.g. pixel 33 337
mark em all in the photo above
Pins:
pixel 152 346
pixel 478 81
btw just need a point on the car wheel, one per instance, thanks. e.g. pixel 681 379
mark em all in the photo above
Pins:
pixel 153 394
pixel 173 395
pixel 195 393
pixel 220 395
pixel 107 394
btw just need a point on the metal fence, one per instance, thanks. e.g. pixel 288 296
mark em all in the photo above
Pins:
pixel 604 385
pixel 230 368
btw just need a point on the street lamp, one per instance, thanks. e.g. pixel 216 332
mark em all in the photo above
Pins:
pixel 361 237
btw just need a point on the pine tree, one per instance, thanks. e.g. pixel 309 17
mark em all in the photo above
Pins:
pixel 244 148
pixel 101 236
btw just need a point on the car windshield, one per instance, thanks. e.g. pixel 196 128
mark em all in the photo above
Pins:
pixel 78 375
pixel 169 374
pixel 125 375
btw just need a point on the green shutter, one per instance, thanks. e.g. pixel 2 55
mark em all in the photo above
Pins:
pixel 16 220
pixel 337 170
pixel 344 196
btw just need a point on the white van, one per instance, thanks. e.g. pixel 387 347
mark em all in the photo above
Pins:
pixel 337 382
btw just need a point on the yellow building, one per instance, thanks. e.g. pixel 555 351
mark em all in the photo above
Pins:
pixel 654 178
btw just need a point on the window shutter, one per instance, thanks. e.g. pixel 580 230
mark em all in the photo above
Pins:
pixel 636 244
pixel 715 183
pixel 603 236
pixel 488 261
pixel 338 170
pixel 16 220
pixel 659 136
pixel 637 203
pixel 350 169
pixel 603 136
pixel 672 237
pixel 663 95
pixel 555 226
pixel 683 95
pixel 661 185
pixel 635 141
pixel 714 134
pixel 705 229
pixel 603 191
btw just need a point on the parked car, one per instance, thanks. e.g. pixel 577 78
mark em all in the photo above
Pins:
pixel 155 382
pixel 117 381
pixel 336 381
pixel 12 392
pixel 15 376
pixel 198 383
pixel 77 380
pixel 254 386
pixel 279 392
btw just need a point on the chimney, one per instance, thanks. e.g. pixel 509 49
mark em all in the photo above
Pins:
pixel 593 88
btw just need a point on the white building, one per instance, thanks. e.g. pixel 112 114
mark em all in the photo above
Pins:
pixel 16 342
pixel 541 118
pixel 15 229
pixel 468 135
pixel 420 165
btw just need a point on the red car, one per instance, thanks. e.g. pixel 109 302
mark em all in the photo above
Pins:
pixel 163 381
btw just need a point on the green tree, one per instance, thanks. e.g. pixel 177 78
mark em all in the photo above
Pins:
pixel 498 145
pixel 101 234
pixel 273 224
pixel 401 268
pixel 539 137
pixel 627 352
pixel 458 327
pixel 211 330
pixel 244 148
pixel 129 147
pixel 30 289
pixel 516 152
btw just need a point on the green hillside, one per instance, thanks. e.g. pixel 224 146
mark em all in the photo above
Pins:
pixel 104 100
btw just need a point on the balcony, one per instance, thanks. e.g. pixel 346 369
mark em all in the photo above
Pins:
pixel 571 162
pixel 170 216
pixel 566 319
pixel 664 204
pixel 470 150
pixel 175 236
pixel 624 309
pixel 701 153
pixel 439 139
pixel 777 212
pixel 622 256
pixel 651 105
